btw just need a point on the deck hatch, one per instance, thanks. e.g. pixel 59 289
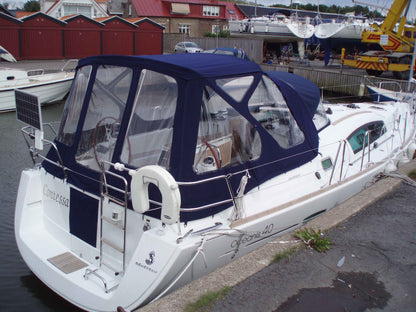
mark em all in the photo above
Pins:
pixel 67 262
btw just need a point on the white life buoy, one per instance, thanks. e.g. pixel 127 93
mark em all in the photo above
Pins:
pixel 168 187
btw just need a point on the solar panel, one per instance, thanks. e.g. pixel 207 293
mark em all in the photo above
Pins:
pixel 28 109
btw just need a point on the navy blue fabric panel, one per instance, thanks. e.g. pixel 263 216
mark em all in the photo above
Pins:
pixel 83 217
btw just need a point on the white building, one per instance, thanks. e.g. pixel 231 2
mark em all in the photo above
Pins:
pixel 60 8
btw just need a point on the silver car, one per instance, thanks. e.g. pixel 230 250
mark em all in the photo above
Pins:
pixel 187 47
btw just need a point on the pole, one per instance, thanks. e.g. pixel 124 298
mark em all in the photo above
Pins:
pixel 412 65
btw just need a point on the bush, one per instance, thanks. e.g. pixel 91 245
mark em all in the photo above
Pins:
pixel 314 239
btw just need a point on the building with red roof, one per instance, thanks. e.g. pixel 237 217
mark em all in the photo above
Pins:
pixel 191 17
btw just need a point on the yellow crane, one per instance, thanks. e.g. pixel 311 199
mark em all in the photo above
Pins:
pixel 395 38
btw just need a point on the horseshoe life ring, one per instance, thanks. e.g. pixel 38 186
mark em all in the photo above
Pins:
pixel 171 196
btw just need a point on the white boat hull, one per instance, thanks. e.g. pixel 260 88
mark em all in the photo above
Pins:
pixel 37 244
pixel 48 90
pixel 272 31
pixel 157 263
pixel 347 31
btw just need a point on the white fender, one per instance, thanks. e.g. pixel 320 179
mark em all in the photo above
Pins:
pixel 411 150
pixel 171 196
pixel 390 167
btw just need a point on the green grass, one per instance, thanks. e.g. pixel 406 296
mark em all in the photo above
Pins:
pixel 283 255
pixel 207 301
pixel 314 239
pixel 412 174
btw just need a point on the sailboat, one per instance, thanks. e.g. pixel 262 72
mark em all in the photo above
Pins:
pixel 275 28
pixel 349 28
pixel 167 167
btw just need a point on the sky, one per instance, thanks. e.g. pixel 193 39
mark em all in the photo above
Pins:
pixel 383 3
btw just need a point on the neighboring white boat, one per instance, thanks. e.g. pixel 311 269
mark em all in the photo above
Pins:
pixel 6 55
pixel 167 167
pixel 276 27
pixel 48 87
pixel 391 91
pixel 349 28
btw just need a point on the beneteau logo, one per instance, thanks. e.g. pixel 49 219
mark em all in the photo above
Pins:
pixel 148 261
pixel 151 258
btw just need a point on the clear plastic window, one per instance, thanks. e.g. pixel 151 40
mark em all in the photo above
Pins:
pixel 320 119
pixel 236 87
pixel 105 110
pixel 70 115
pixel 225 138
pixel 269 107
pixel 149 136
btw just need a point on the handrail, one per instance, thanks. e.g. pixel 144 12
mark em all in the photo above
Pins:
pixel 335 163
pixel 366 137
pixel 343 143
pixel 32 150
pixel 380 84
pixel 94 272
pixel 342 161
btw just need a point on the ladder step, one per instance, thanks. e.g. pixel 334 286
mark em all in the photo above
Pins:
pixel 113 269
pixel 113 199
pixel 120 250
pixel 115 223
pixel 108 285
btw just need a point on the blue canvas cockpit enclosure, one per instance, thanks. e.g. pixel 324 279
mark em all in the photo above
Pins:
pixel 199 116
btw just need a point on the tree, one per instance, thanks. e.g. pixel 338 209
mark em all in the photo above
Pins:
pixel 32 6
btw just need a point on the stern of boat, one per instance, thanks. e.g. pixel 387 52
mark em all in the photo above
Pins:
pixel 96 272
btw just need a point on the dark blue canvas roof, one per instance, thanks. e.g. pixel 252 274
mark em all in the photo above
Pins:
pixel 188 66
pixel 193 73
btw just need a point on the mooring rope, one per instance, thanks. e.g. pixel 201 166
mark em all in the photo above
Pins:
pixel 404 178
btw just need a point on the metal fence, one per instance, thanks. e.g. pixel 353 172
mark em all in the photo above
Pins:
pixel 350 84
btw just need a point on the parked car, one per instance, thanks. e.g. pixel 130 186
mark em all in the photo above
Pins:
pixel 240 53
pixel 187 47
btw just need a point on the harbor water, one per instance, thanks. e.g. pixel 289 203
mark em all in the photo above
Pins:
pixel 20 289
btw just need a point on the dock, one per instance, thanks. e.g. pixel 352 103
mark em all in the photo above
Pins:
pixel 337 79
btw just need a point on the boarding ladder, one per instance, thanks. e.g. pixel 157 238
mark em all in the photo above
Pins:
pixel 113 221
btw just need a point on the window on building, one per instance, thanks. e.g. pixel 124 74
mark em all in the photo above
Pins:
pixel 184 29
pixel 69 9
pixel 180 8
pixel 215 29
pixel 209 10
